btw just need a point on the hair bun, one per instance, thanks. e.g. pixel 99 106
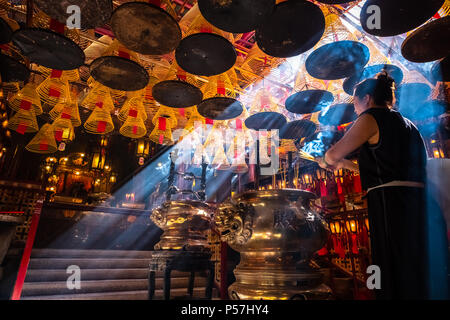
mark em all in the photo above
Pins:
pixel 385 78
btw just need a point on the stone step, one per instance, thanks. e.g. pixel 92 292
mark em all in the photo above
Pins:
pixel 75 253
pixel 100 286
pixel 83 263
pixel 42 275
pixel 199 293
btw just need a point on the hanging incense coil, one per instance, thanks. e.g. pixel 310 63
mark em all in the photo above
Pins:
pixel 53 90
pixel 220 160
pixel 69 75
pixel 167 113
pixel 44 141
pixel 222 85
pixel 63 129
pixel 162 133
pixel 263 101
pixel 258 64
pixel 100 121
pixel 133 126
pixel 99 94
pixel 132 106
pixel 27 98
pixel 24 121
pixel 66 110
pixel 116 95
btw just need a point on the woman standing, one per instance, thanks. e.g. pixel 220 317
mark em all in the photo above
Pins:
pixel 392 165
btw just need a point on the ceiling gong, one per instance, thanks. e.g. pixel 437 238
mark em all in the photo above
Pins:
pixel 236 16
pixel 294 27
pixel 145 28
pixel 119 73
pixel 388 18
pixel 48 48
pixel 205 54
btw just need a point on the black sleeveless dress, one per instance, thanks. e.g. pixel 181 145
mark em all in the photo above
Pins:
pixel 397 215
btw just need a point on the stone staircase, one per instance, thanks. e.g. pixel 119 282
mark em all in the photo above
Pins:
pixel 105 275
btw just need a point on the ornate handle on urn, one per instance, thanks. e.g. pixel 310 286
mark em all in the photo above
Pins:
pixel 235 222
pixel 158 216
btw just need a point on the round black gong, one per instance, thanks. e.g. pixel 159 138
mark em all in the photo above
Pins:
pixel 5 32
pixel 409 95
pixel 424 110
pixel 220 108
pixel 93 13
pixel 12 70
pixel 294 27
pixel 337 60
pixel 338 114
pixel 177 94
pixel 205 54
pixel 441 70
pixel 236 16
pixel 265 121
pixel 370 72
pixel 298 129
pixel 309 101
pixel 145 28
pixel 48 48
pixel 387 18
pixel 428 43
pixel 119 73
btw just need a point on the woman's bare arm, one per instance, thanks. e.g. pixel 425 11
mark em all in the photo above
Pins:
pixel 364 128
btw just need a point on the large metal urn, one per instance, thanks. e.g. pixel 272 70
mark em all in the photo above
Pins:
pixel 185 224
pixel 276 233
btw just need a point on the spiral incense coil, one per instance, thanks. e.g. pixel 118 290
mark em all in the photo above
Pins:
pixel 175 72
pixel 162 133
pixel 63 129
pixel 195 119
pixel 258 64
pixel 66 110
pixel 99 94
pixel 119 50
pixel 133 126
pixel 220 160
pixel 53 90
pixel 222 85
pixel 115 94
pixel 100 121
pixel 43 142
pixel 134 107
pixel 69 75
pixel 168 114
pixel 263 101
pixel 27 99
pixel 24 121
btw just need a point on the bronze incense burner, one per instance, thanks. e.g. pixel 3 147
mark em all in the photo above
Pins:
pixel 276 233
pixel 185 224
